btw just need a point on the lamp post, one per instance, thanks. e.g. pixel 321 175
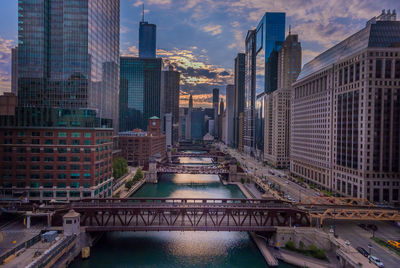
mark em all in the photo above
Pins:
pixel 370 250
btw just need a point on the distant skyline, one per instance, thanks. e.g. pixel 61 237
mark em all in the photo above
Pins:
pixel 202 37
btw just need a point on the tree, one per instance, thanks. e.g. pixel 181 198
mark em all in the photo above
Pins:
pixel 120 167
pixel 138 175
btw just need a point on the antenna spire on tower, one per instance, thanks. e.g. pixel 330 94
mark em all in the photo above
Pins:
pixel 143 12
pixel 290 29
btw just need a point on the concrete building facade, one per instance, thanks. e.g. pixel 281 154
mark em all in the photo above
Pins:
pixel 278 105
pixel 239 78
pixel 345 115
pixel 230 112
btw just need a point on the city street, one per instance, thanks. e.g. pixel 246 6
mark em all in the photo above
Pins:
pixel 358 237
pixel 278 177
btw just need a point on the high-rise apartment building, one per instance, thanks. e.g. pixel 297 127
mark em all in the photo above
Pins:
pixel 239 78
pixel 346 115
pixel 230 110
pixel 277 105
pixel 68 55
pixel 188 128
pixel 170 80
pixel 140 92
pixel 14 70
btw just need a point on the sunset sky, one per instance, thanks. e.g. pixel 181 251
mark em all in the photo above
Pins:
pixel 202 37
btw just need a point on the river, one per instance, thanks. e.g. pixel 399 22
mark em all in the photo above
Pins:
pixel 178 249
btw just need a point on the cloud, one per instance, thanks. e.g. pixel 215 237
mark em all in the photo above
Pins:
pixel 213 29
pixel 153 2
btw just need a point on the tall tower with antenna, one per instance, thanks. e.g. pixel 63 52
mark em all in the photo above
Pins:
pixel 147 38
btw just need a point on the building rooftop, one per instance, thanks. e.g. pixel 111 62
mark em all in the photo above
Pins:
pixel 375 34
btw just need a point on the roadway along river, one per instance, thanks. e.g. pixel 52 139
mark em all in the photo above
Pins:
pixel 178 249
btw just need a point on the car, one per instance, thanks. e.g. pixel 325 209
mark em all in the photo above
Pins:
pixel 376 261
pixel 287 182
pixel 394 243
pixel 373 227
pixel 363 251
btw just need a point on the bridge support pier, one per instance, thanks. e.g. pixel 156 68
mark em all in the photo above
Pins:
pixel 233 170
pixel 151 175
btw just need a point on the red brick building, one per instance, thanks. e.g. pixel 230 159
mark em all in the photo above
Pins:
pixel 138 146
pixel 45 163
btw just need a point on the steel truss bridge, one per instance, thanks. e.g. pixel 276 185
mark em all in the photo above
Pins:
pixel 204 155
pixel 181 214
pixel 165 168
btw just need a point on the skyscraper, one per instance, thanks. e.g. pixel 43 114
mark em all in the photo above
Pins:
pixel 14 70
pixel 140 92
pixel 68 55
pixel 230 109
pixel 147 39
pixel 239 78
pixel 277 109
pixel 346 115
pixel 269 37
pixel 249 95
pixel 170 80
pixel 215 107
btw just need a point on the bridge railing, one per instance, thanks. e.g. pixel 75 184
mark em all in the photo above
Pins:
pixel 180 200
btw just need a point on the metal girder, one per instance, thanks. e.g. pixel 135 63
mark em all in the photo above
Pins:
pixel 338 201
pixel 194 217
pixel 357 214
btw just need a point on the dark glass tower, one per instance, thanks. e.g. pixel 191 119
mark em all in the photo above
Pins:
pixel 68 55
pixel 147 40
pixel 140 92
pixel 240 71
pixel 215 107
pixel 270 34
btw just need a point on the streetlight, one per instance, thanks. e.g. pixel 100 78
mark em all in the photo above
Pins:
pixel 370 250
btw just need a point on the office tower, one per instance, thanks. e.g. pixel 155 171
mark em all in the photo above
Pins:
pixel 198 123
pixel 346 115
pixel 14 70
pixel 277 109
pixel 8 103
pixel 249 93
pixel 140 92
pixel 147 39
pixel 230 109
pixel 168 129
pixel 182 123
pixel 170 81
pixel 239 78
pixel 221 112
pixel 68 79
pixel 68 55
pixel 270 34
pixel 215 107
pixel 188 128
pixel 223 128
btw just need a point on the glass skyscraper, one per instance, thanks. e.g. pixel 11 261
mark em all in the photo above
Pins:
pixel 140 92
pixel 147 40
pixel 68 55
pixel 270 33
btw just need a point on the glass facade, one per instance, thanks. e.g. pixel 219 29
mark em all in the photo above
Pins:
pixel 147 40
pixel 269 35
pixel 69 55
pixel 140 92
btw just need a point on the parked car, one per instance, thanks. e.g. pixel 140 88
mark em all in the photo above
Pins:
pixel 363 251
pixel 376 261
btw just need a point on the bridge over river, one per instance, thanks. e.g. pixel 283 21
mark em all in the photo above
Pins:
pixel 173 214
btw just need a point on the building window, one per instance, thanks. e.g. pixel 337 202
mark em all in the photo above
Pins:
pixel 62 142
pixel 61 176
pixel 75 134
pixel 48 134
pixel 88 135
pixel 62 134
pixel 378 68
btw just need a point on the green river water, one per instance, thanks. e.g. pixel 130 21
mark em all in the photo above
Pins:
pixel 178 249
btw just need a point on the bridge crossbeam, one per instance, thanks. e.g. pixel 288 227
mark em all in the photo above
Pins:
pixel 194 217
pixel 357 214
